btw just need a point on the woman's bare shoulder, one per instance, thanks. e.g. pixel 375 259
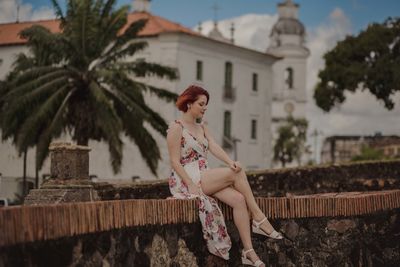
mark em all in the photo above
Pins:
pixel 174 128
pixel 206 129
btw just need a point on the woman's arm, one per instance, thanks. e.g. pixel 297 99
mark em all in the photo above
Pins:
pixel 174 148
pixel 215 149
pixel 219 153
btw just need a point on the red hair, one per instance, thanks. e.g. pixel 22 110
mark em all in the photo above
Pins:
pixel 190 95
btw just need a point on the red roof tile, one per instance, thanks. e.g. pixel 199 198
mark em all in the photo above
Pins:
pixel 9 32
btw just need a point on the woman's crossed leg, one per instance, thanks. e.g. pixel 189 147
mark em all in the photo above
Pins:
pixel 214 180
pixel 236 200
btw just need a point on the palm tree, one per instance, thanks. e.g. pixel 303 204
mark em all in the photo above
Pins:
pixel 87 85
pixel 43 53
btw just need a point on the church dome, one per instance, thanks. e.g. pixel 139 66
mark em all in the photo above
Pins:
pixel 288 26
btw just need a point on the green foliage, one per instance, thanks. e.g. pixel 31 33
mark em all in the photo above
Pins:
pixel 82 80
pixel 369 61
pixel 369 153
pixel 290 144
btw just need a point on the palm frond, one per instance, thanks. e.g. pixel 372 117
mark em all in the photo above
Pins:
pixel 110 123
pixel 32 74
pixel 130 50
pixel 36 123
pixel 141 68
pixel 159 92
pixel 137 99
pixel 112 24
pixel 58 11
pixel 143 139
pixel 54 130
pixel 129 35
pixel 21 63
pixel 31 85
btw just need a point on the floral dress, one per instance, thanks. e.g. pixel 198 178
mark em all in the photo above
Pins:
pixel 194 160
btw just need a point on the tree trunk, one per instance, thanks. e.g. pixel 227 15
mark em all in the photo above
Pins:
pixel 36 171
pixel 82 140
pixel 24 174
pixel 283 163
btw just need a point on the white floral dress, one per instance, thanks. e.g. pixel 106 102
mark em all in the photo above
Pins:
pixel 194 160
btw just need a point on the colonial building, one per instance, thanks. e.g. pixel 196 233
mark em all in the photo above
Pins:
pixel 344 148
pixel 248 89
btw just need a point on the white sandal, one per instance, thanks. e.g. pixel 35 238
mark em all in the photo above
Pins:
pixel 247 261
pixel 256 229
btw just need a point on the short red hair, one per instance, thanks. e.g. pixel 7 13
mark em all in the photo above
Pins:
pixel 190 95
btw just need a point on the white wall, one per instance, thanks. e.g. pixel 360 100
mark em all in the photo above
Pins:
pixel 182 51
pixel 248 105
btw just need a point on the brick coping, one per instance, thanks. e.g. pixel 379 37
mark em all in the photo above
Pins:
pixel 22 224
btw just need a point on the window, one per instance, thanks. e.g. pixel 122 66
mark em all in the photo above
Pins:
pixel 228 88
pixel 228 74
pixel 199 70
pixel 227 124
pixel 289 77
pixel 253 129
pixel 255 82
pixel 226 140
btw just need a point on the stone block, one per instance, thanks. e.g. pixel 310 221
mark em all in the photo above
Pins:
pixel 341 226
pixel 69 161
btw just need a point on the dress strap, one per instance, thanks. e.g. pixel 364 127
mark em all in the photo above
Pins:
pixel 180 123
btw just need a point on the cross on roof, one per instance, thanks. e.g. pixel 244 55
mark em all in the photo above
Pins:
pixel 215 7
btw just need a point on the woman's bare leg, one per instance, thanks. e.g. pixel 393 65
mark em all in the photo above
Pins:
pixel 236 200
pixel 242 185
pixel 214 180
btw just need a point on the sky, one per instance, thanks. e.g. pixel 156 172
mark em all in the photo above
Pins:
pixel 326 22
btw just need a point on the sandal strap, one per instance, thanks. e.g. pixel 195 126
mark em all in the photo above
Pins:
pixel 275 234
pixel 247 251
pixel 258 263
pixel 257 224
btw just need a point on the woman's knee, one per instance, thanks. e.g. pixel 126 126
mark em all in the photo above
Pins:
pixel 231 176
pixel 239 175
pixel 239 200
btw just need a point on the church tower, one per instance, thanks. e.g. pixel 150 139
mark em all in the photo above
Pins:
pixel 141 5
pixel 287 40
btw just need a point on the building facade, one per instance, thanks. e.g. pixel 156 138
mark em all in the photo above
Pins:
pixel 248 89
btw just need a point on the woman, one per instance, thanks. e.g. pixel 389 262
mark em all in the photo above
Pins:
pixel 188 144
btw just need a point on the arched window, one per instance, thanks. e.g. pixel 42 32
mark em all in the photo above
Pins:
pixel 289 77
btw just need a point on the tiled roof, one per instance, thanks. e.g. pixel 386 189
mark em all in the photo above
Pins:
pixel 9 32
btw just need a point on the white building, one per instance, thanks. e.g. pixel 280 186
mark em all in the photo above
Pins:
pixel 247 88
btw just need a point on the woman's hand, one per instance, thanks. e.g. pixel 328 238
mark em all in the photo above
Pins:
pixel 235 166
pixel 193 189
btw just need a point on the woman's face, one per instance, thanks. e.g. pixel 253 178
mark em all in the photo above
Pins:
pixel 199 107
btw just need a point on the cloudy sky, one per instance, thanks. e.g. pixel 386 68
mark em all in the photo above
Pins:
pixel 326 22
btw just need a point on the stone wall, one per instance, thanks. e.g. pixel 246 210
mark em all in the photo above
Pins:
pixel 364 176
pixel 370 240
pixel 360 176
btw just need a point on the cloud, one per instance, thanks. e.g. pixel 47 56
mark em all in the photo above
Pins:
pixel 361 114
pixel 251 30
pixel 8 12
